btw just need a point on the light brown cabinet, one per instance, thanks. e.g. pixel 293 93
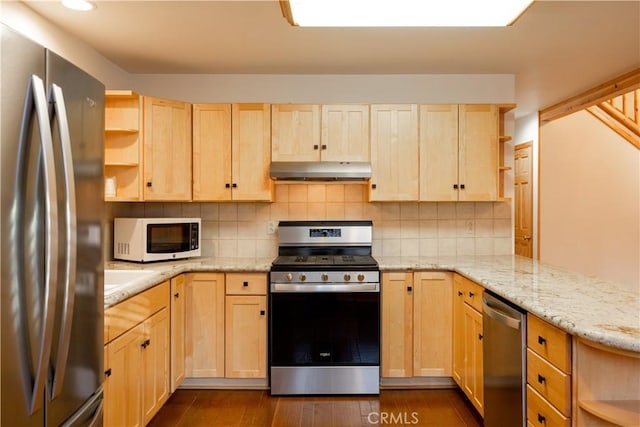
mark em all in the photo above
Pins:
pixel 467 340
pixel 177 299
pixel 416 324
pixel 167 150
pixel 345 133
pixel 295 132
pixel 459 152
pixel 394 153
pixel 231 152
pixel 137 357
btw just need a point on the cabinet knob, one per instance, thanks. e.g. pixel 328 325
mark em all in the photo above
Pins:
pixel 262 312
pixel 149 184
pixel 107 373
pixel 471 294
pixel 480 336
pixel 541 379
pixel 462 186
pixel 374 186
pixel 245 284
pixel 460 293
pixel 227 186
pixel 542 419
pixel 176 295
pixel 455 186
pixel 234 185
pixel 315 146
pixel 324 146
pixel 541 340
pixel 409 288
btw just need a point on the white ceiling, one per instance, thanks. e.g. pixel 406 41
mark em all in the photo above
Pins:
pixel 556 49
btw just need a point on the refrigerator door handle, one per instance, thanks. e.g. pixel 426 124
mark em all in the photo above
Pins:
pixel 57 108
pixel 36 99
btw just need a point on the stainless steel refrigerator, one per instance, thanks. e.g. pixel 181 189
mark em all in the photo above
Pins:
pixel 51 184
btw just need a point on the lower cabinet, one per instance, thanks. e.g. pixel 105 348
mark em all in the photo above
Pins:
pixel 137 358
pixel 416 324
pixel 467 340
pixel 177 299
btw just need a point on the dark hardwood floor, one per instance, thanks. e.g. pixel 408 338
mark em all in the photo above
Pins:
pixel 437 408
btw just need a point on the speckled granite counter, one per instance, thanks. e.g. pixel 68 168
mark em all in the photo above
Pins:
pixel 600 311
pixel 604 312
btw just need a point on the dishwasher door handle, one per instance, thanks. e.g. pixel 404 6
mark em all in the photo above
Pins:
pixel 502 317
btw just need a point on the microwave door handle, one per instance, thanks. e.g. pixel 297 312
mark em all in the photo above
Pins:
pixel 36 100
pixel 57 108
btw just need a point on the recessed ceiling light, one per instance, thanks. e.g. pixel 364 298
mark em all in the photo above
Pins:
pixel 81 5
pixel 403 13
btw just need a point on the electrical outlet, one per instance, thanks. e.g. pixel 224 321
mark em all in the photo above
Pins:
pixel 469 226
pixel 271 227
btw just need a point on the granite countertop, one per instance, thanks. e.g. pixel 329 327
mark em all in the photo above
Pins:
pixel 598 310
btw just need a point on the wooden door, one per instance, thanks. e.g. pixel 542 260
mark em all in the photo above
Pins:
pixel 439 152
pixel 394 153
pixel 345 133
pixel 123 398
pixel 478 152
pixel 523 200
pixel 473 381
pixel 432 324
pixel 204 325
pixel 458 368
pixel 397 325
pixel 251 152
pixel 211 152
pixel 295 132
pixel 177 331
pixel 155 364
pixel 246 336
pixel 167 150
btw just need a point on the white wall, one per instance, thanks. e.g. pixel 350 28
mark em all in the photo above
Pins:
pixel 590 199
pixel 22 19
pixel 526 130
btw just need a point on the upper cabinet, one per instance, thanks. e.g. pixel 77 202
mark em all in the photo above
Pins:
pixel 295 132
pixel 310 132
pixel 394 153
pixel 167 150
pixel 459 152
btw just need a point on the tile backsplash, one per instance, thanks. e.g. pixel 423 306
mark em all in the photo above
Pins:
pixel 399 229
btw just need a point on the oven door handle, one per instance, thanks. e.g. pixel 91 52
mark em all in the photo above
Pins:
pixel 322 287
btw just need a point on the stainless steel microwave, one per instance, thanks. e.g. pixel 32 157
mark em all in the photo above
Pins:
pixel 156 239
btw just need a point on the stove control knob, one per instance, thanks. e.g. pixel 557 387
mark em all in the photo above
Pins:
pixel 303 277
pixel 360 277
pixel 325 277
pixel 289 277
pixel 347 277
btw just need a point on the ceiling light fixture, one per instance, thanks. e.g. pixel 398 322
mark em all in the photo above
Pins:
pixel 81 5
pixel 403 13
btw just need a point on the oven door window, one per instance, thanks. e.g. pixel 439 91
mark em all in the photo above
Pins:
pixel 168 238
pixel 325 329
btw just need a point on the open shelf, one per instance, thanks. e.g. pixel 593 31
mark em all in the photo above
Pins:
pixel 618 412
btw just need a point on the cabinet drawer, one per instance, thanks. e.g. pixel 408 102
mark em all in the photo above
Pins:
pixel 551 343
pixel 473 294
pixel 553 384
pixel 246 284
pixel 127 314
pixel 541 413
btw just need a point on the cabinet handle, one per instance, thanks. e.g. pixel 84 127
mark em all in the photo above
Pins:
pixel 107 373
pixel 315 146
pixel 455 186
pixel 245 284
pixel 176 295
pixel 324 146
pixel 409 288
pixel 262 312
pixel 541 340
pixel 541 379
pixel 471 294
pixel 234 185
pixel 460 293
pixel 480 336
pixel 145 344
pixel 227 186
pixel 149 184
pixel 462 186
pixel 542 419
pixel 374 186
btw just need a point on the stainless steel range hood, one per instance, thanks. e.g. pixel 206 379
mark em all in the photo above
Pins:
pixel 320 171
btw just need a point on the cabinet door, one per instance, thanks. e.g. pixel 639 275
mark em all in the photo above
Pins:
pixel 167 150
pixel 295 132
pixel 394 153
pixel 123 397
pixel 177 331
pixel 473 382
pixel 458 371
pixel 397 325
pixel 345 133
pixel 432 324
pixel 246 337
pixel 211 152
pixel 251 152
pixel 478 152
pixel 155 364
pixel 439 152
pixel 204 325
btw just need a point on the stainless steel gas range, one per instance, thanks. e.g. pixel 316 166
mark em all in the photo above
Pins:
pixel 324 325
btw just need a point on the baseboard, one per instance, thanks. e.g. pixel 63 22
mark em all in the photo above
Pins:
pixel 225 383
pixel 417 382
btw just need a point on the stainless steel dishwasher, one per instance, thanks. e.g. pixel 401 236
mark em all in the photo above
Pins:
pixel 504 346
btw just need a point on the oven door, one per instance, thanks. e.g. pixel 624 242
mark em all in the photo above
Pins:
pixel 325 329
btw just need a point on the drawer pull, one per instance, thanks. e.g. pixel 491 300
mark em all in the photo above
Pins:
pixel 176 295
pixel 541 340
pixel 542 419
pixel 541 379
pixel 245 284
pixel 460 293
pixel 145 344
pixel 471 294
pixel 107 373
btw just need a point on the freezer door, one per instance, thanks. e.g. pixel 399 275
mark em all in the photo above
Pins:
pixel 22 232
pixel 77 351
